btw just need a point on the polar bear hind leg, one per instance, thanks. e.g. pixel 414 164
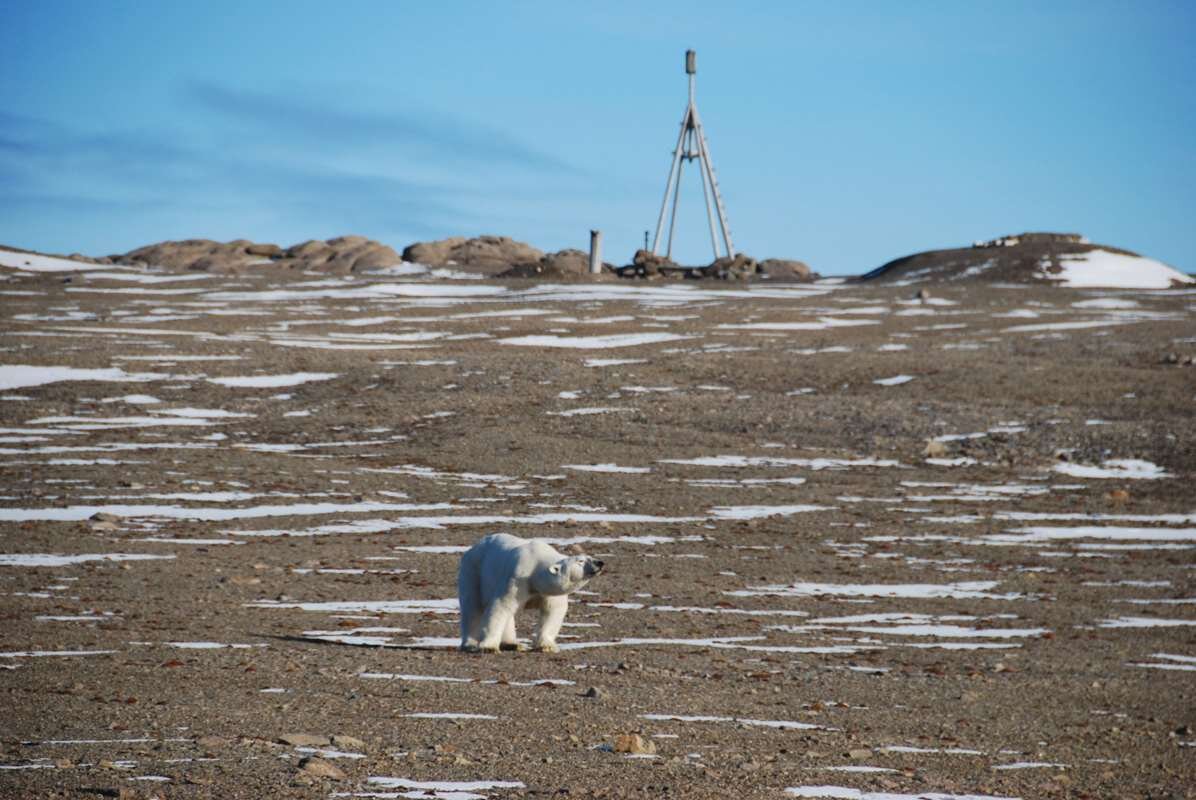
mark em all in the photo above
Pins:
pixel 469 599
pixel 552 616
pixel 498 617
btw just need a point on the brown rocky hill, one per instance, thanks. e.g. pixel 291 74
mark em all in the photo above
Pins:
pixel 1062 258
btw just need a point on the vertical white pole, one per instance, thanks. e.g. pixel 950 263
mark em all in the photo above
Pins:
pixel 595 252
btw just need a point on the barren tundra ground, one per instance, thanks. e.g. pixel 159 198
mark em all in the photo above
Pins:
pixel 801 598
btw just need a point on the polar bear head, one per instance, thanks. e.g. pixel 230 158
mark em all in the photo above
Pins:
pixel 568 574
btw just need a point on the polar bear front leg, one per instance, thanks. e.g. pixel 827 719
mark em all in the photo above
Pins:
pixel 500 615
pixel 552 616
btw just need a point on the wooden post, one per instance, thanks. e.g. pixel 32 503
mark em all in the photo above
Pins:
pixel 595 252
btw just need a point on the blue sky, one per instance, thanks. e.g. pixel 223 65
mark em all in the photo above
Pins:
pixel 844 134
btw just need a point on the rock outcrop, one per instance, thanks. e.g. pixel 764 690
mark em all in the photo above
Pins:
pixel 341 255
pixel 488 255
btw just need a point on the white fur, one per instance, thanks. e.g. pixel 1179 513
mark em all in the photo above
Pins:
pixel 502 574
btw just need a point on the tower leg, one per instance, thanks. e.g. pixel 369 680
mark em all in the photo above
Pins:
pixel 668 184
pixel 676 198
pixel 709 213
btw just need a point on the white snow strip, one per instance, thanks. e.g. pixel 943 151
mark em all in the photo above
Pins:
pixel 822 324
pixel 271 381
pixel 769 461
pixel 857 794
pixel 18 376
pixel 74 513
pixel 54 653
pixel 584 412
pixel 758 723
pixel 441 786
pixel 50 560
pixel 759 512
pixel 1146 622
pixel 613 362
pixel 604 468
pixel 896 380
pixel 961 591
pixel 445 606
pixel 594 342
pixel 1118 468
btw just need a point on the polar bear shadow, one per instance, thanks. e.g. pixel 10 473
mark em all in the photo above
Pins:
pixel 502 574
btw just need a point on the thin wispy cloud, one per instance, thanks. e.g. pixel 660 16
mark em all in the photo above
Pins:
pixel 424 133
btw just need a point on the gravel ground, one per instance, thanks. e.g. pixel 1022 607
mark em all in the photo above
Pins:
pixel 853 541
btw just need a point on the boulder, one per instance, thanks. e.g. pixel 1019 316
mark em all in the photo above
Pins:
pixel 780 269
pixel 308 249
pixel 266 250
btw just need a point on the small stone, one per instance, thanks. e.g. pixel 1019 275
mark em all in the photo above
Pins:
pixel 859 753
pixel 634 743
pixel 211 742
pixel 594 693
pixel 304 740
pixel 104 516
pixel 104 527
pixel 321 768
pixel 934 449
pixel 340 740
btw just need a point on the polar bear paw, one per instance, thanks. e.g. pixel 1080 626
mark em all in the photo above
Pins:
pixel 548 647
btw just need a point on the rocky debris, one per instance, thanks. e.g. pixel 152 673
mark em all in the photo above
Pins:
pixel 646 264
pixel 341 255
pixel 595 693
pixel 561 264
pixel 736 267
pixel 634 744
pixel 489 255
pixel 1178 360
pixel 321 768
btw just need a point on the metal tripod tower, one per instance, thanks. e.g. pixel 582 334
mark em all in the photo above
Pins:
pixel 691 145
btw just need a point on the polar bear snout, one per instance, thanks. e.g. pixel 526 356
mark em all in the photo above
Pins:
pixel 593 567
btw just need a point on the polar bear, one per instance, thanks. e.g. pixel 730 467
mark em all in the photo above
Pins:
pixel 502 574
